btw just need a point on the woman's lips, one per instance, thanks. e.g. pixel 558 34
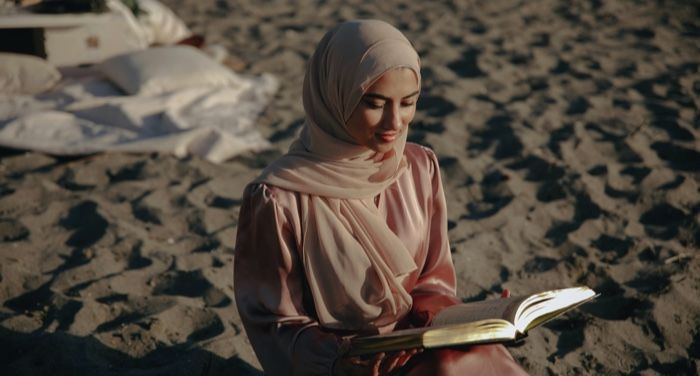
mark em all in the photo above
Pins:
pixel 387 136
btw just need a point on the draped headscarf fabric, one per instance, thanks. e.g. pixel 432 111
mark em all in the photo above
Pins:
pixel 353 262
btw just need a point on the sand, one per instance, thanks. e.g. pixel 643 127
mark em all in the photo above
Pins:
pixel 568 134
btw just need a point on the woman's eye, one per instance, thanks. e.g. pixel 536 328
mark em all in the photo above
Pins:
pixel 407 104
pixel 374 105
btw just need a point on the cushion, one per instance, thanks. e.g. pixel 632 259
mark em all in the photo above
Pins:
pixel 163 69
pixel 26 74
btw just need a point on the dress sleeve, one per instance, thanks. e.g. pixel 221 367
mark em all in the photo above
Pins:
pixel 437 284
pixel 269 287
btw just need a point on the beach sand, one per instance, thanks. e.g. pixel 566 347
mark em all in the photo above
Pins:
pixel 568 135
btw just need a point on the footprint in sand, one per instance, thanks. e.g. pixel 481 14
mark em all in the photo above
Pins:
pixel 584 209
pixel 134 171
pixel 47 305
pixel 497 131
pixel 540 264
pixel 611 132
pixel 651 281
pixel 571 334
pixel 134 309
pixel 453 171
pixel 468 65
pixel 578 106
pixel 288 132
pixel 88 224
pixel 612 304
pixel 637 173
pixel 558 136
pixel 12 230
pixel 221 202
pixel 191 284
pixel 630 195
pixel 613 248
pixel 146 214
pixel 663 221
pixel 418 137
pixel 435 106
pixel 664 97
pixel 537 169
pixel 435 127
pixel 495 196
pixel 547 174
pixel 207 327
pixel 598 170
pixel 678 157
pixel 419 131
pixel 69 181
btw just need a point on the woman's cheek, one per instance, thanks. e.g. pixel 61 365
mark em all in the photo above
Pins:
pixel 372 120
pixel 408 115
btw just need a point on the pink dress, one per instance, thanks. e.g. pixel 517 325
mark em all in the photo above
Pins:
pixel 272 294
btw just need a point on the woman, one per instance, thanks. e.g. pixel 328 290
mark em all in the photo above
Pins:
pixel 346 234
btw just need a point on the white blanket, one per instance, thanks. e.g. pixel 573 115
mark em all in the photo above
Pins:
pixel 86 114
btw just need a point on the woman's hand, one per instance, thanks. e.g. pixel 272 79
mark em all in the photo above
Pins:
pixel 378 364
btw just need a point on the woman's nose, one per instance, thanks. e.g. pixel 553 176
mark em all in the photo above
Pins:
pixel 392 119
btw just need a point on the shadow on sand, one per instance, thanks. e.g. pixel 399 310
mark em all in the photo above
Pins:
pixel 61 354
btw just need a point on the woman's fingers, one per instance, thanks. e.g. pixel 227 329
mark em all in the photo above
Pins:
pixel 397 360
pixel 356 365
pixel 380 364
pixel 377 363
pixel 392 361
pixel 405 358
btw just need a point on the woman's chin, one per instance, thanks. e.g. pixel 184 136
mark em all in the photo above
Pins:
pixel 382 147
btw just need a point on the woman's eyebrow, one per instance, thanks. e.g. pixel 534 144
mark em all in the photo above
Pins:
pixel 379 96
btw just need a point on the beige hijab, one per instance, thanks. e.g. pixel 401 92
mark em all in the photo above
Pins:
pixel 353 262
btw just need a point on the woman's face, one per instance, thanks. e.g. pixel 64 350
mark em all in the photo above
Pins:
pixel 385 110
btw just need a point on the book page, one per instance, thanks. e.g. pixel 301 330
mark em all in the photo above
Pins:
pixel 483 331
pixel 545 306
pixel 478 322
pixel 487 309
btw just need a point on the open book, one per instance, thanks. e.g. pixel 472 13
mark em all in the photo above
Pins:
pixel 497 320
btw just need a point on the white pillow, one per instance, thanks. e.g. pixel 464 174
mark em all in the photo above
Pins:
pixel 26 74
pixel 162 69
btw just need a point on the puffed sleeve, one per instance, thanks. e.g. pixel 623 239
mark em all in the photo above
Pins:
pixel 437 284
pixel 269 286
